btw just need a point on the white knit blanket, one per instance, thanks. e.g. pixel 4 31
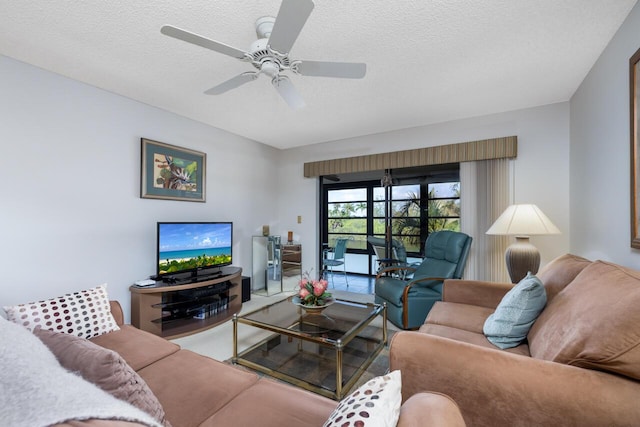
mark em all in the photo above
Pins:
pixel 36 391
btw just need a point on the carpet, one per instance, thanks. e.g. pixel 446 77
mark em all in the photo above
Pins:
pixel 379 366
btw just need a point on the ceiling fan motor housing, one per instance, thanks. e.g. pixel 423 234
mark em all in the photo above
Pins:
pixel 264 26
pixel 260 54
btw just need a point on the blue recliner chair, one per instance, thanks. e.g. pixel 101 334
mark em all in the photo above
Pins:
pixel 409 301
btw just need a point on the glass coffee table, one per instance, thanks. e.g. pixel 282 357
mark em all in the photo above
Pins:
pixel 325 352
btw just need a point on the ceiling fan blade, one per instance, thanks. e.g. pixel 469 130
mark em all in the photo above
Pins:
pixel 232 83
pixel 189 37
pixel 289 93
pixel 292 16
pixel 348 70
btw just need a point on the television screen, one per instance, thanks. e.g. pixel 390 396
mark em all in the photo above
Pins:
pixel 192 246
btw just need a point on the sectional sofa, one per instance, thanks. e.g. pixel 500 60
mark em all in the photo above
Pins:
pixel 166 385
pixel 579 366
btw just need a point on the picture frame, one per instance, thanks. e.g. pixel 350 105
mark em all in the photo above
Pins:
pixel 634 117
pixel 170 172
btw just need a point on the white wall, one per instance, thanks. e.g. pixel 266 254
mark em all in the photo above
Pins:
pixel 71 215
pixel 541 174
pixel 600 164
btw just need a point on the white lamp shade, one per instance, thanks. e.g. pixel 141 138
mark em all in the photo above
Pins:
pixel 523 220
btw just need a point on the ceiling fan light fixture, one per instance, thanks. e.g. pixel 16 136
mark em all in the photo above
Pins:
pixel 270 68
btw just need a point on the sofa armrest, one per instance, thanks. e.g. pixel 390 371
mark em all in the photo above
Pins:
pixel 116 311
pixel 99 423
pixel 475 292
pixel 430 409
pixel 494 387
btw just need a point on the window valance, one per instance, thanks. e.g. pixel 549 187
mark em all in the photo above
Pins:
pixel 495 148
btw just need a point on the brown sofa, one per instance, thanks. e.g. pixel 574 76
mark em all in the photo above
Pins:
pixel 198 391
pixel 580 364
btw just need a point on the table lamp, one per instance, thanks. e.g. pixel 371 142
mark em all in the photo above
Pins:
pixel 522 221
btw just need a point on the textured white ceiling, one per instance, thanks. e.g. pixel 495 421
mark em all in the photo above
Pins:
pixel 428 61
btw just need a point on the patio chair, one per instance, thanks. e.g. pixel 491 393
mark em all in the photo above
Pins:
pixel 335 257
pixel 398 256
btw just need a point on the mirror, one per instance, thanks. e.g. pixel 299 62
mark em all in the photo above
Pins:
pixel 634 96
pixel 266 276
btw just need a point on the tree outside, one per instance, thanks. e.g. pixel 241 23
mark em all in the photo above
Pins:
pixel 412 218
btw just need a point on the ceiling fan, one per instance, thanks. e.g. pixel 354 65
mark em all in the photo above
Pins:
pixel 270 53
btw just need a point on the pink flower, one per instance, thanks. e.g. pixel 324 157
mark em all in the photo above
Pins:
pixel 318 288
pixel 311 292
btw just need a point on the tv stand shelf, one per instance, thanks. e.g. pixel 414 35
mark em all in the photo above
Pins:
pixel 176 310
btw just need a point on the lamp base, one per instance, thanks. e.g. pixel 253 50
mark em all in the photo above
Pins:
pixel 521 257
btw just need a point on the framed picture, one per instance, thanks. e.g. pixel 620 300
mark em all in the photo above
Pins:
pixel 634 100
pixel 172 173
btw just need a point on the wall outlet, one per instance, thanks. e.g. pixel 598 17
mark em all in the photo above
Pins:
pixel 299 219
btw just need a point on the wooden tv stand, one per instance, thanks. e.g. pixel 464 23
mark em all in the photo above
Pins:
pixel 177 310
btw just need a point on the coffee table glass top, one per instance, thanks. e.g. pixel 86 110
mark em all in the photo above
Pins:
pixel 325 353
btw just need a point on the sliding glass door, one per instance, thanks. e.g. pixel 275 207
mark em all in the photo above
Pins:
pixel 419 205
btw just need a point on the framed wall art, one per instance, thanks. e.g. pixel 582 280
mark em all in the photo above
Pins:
pixel 634 100
pixel 172 173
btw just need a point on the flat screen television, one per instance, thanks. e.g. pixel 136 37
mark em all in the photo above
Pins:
pixel 193 247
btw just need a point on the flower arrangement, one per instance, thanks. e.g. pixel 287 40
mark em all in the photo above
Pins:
pixel 313 293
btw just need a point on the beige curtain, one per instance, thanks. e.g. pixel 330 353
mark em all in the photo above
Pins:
pixel 486 191
pixel 469 213
pixel 486 149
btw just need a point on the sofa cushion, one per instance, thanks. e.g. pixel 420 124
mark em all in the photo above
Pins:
pixel 475 338
pixel 36 391
pixel 192 387
pixel 560 272
pixel 271 403
pixel 84 313
pixel 128 341
pixel 515 314
pixel 374 404
pixel 461 316
pixel 104 368
pixel 593 322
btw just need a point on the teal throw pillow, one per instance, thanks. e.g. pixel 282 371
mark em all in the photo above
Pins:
pixel 509 325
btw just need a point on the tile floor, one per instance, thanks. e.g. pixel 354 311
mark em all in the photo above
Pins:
pixel 357 283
